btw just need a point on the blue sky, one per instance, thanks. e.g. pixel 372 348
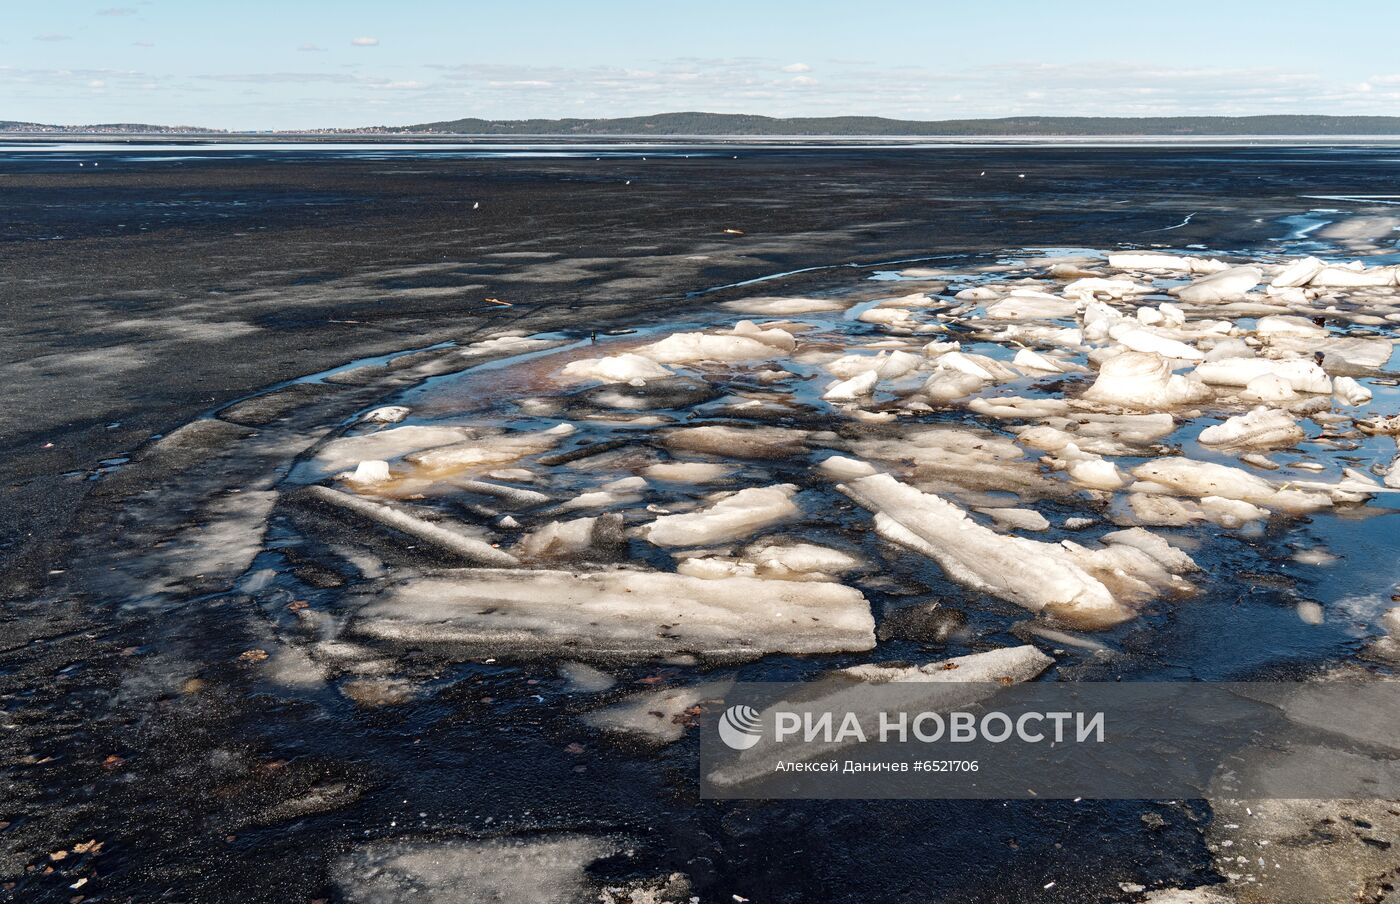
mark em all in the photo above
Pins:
pixel 309 63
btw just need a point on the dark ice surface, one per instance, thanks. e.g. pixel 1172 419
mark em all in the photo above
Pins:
pixel 144 287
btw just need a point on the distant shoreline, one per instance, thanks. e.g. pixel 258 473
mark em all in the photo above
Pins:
pixel 604 140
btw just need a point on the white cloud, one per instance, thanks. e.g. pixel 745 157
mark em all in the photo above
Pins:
pixel 97 83
pixel 803 80
pixel 797 67
pixel 117 11
pixel 308 47
pixel 365 42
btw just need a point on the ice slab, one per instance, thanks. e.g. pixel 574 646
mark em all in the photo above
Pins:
pixel 622 614
pixel 624 368
pixel 1262 427
pixel 732 517
pixel 1038 576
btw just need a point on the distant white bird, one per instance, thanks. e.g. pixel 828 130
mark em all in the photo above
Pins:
pixel 628 182
pixel 983 173
pixel 1021 176
pixel 476 206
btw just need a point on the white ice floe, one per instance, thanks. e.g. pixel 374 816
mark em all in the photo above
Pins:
pixel 738 442
pixel 781 561
pixel 1188 477
pixel 887 365
pixel 734 516
pixel 1354 276
pixel 1096 473
pixel 1349 392
pixel 1017 518
pixel 624 614
pixel 900 317
pixel 1038 576
pixel 1298 273
pixel 1227 285
pixel 1039 307
pixel 1261 427
pixel 1286 325
pixel 949 386
pixel 768 306
pixel 1270 388
pixel 979 366
pixel 789 559
pixel 690 348
pixel 388 414
pixel 842 468
pixel 1144 380
pixel 624 368
pixel 1148 260
pixel 566 539
pixel 1300 374
pixel 485 451
pixel 1112 288
pixel 1338 351
pixel 779 338
pixel 373 471
pixel 625 491
pixel 688 471
pixel 856 387
pixel 1028 360
pixel 1140 339
pixel 348 451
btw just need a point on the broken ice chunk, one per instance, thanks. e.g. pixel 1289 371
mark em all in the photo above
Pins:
pixel 1187 477
pixel 1349 392
pixel 688 471
pixel 734 516
pixel 395 442
pixel 372 471
pixel 688 348
pixel 1226 285
pixel 580 537
pixel 1301 374
pixel 784 307
pixel 389 414
pixel 1038 576
pixel 738 442
pixel 1150 260
pixel 1298 273
pixel 856 387
pixel 625 368
pixel 886 365
pixel 1144 380
pixel 842 468
pixel 778 338
pixel 1017 518
pixel 623 614
pixel 1262 427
